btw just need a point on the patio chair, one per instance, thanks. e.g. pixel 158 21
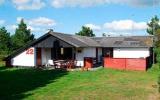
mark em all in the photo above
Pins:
pixel 50 63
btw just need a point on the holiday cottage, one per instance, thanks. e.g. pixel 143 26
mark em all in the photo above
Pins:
pixel 124 52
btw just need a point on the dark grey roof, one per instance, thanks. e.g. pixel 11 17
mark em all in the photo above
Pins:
pixel 77 41
pixel 83 41
pixel 125 41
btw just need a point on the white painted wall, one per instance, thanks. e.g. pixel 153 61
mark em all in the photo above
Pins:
pixel 86 52
pixel 46 55
pixel 131 52
pixel 24 59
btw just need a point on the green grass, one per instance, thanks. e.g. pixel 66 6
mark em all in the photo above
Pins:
pixel 103 84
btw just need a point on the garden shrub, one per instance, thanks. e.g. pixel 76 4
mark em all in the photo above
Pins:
pixel 157 51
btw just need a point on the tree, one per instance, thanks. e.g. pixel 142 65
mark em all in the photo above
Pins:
pixel 157 42
pixel 5 41
pixel 153 26
pixel 86 31
pixel 22 35
pixel 104 34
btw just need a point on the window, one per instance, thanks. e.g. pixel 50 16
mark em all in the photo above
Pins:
pixel 62 51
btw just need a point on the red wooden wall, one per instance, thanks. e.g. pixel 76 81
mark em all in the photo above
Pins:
pixel 88 62
pixel 125 63
pixel 136 64
pixel 114 63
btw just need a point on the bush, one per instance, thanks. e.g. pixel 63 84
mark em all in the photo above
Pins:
pixel 157 51
pixel 159 84
pixel 2 56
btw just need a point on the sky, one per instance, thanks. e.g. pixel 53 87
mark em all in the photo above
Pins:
pixel 112 17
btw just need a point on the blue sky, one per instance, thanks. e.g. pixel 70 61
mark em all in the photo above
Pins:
pixel 113 17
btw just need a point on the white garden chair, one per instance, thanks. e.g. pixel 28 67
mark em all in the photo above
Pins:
pixel 50 63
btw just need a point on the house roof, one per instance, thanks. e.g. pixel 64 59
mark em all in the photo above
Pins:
pixel 75 40
pixel 83 41
pixel 125 41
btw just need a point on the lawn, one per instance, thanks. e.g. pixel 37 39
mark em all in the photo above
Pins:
pixel 102 84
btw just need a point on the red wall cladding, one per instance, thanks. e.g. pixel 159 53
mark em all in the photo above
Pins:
pixel 88 62
pixel 114 63
pixel 125 63
pixel 136 64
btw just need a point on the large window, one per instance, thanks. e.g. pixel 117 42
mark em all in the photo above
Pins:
pixel 107 52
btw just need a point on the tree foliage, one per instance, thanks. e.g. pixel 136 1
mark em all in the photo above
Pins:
pixel 153 25
pixel 22 35
pixel 9 43
pixel 86 31
pixel 104 34
pixel 154 29
pixel 157 35
pixel 5 41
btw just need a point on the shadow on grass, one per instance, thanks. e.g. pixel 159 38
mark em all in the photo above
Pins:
pixel 3 68
pixel 14 83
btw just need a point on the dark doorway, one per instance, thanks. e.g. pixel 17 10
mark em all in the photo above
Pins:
pixel 38 57
pixel 55 51
pixel 60 52
pixel 67 53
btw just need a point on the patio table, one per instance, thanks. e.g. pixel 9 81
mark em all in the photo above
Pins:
pixel 60 63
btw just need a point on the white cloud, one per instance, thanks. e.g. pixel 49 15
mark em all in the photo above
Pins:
pixel 2 22
pixel 36 25
pixel 74 3
pixel 89 3
pixel 40 21
pixel 93 27
pixel 13 27
pixel 125 25
pixel 117 33
pixel 19 19
pixel 33 29
pixel 136 3
pixel 143 3
pixel 20 1
pixel 119 27
pixel 28 4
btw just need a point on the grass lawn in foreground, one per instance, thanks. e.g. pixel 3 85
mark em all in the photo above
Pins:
pixel 103 84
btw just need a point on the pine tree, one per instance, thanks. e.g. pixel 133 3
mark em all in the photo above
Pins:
pixel 5 41
pixel 104 34
pixel 86 31
pixel 153 26
pixel 22 35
